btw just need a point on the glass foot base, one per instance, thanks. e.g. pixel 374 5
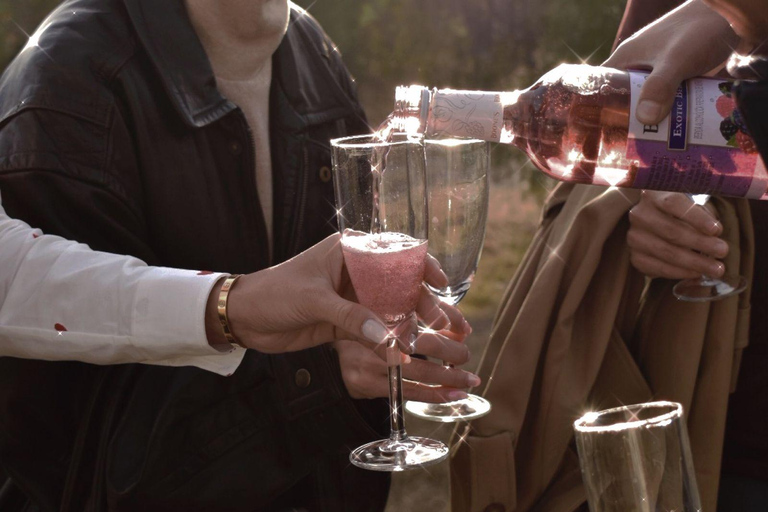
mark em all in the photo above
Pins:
pixel 705 289
pixel 408 453
pixel 450 412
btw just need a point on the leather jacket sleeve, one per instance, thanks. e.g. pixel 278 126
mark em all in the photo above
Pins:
pixel 54 179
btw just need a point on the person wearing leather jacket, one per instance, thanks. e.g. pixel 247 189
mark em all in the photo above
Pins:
pixel 189 134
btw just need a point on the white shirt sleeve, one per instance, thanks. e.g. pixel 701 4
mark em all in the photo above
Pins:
pixel 60 300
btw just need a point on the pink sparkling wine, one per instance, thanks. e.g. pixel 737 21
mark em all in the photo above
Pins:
pixel 386 271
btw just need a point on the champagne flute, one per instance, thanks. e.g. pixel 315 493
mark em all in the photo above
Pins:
pixel 382 214
pixel 637 458
pixel 705 288
pixel 457 185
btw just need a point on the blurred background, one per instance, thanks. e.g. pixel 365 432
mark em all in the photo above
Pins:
pixel 463 44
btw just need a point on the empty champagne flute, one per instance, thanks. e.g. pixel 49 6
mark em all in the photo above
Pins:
pixel 457 188
pixel 382 214
pixel 705 288
pixel 637 458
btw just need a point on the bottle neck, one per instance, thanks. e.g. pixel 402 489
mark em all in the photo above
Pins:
pixel 453 113
pixel 411 109
pixel 508 102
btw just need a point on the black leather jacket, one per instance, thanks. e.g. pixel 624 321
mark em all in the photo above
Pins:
pixel 113 133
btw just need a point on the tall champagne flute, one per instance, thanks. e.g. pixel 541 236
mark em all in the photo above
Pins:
pixel 382 215
pixel 457 185
pixel 705 288
pixel 637 458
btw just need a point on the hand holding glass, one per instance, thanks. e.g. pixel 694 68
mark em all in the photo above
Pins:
pixel 706 288
pixel 382 215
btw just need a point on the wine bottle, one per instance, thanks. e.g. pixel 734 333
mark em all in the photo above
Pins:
pixel 578 124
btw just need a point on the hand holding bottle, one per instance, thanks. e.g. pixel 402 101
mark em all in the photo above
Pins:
pixel 690 41
pixel 669 236
pixel 579 124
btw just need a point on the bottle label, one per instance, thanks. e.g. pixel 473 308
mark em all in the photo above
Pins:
pixel 703 146
pixel 472 114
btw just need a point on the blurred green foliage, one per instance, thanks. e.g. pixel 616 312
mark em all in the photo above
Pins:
pixel 477 44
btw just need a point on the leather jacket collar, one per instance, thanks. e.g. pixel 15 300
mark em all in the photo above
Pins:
pixel 167 36
pixel 166 33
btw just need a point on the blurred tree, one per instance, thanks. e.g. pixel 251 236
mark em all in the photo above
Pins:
pixel 479 44
pixel 581 30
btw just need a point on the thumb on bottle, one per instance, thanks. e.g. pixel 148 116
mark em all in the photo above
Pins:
pixel 352 318
pixel 657 95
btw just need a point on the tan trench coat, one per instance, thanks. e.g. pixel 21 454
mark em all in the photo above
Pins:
pixel 578 330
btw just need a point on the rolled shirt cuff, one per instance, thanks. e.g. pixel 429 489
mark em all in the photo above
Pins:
pixel 169 305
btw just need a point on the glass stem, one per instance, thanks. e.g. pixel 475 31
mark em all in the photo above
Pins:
pixel 396 423
pixel 452 299
pixel 701 200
